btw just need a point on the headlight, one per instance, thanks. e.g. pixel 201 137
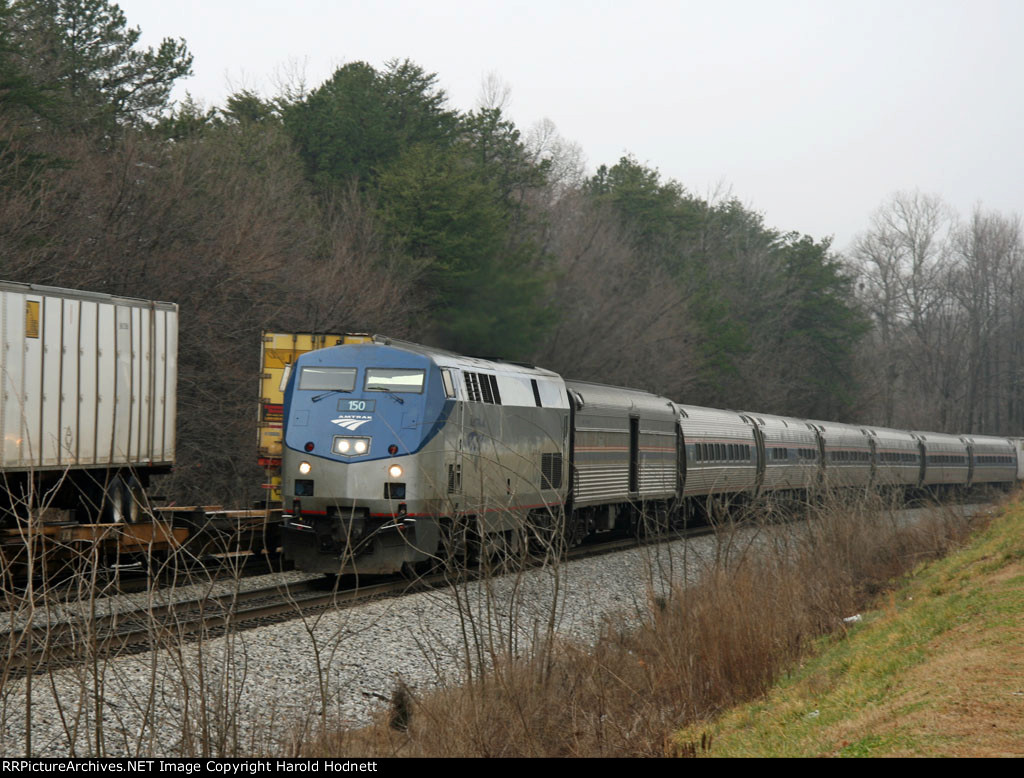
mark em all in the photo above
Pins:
pixel 351 447
pixel 305 467
pixel 395 471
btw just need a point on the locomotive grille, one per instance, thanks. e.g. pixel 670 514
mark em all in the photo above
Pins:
pixel 550 471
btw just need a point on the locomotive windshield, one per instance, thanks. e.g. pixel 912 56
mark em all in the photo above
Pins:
pixel 391 379
pixel 342 379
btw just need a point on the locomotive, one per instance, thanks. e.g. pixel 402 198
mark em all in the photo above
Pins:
pixel 397 454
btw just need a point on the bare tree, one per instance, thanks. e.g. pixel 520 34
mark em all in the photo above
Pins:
pixel 223 224
pixel 988 257
pixel 947 299
pixel 565 160
pixel 495 93
pixel 622 320
pixel 902 260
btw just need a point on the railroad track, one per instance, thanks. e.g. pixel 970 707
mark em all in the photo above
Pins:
pixel 54 645
pixel 50 646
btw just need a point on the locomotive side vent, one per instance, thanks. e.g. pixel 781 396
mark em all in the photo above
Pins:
pixel 550 471
pixel 454 478
pixel 483 388
pixel 472 387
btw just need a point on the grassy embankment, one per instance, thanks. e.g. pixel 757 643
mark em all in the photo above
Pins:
pixel 935 669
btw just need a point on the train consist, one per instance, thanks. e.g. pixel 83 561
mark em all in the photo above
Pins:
pixel 392 454
pixel 395 454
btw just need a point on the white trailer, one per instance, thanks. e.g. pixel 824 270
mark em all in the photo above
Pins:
pixel 88 399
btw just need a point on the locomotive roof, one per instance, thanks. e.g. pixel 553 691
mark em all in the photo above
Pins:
pixel 451 359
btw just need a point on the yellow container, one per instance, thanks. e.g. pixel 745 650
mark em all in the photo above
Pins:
pixel 278 353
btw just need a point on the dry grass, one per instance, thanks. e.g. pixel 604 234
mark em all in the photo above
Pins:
pixel 696 652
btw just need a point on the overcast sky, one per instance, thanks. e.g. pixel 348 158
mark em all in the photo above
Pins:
pixel 812 112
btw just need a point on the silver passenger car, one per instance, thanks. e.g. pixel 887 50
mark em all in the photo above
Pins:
pixel 624 445
pixel 721 451
pixel 946 459
pixel 848 454
pixel 898 457
pixel 993 460
pixel 792 458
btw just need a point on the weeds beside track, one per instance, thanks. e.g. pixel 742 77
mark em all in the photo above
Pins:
pixel 759 604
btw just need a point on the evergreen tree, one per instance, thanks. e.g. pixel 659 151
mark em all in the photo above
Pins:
pixel 21 95
pixel 772 315
pixel 822 328
pixel 452 223
pixel 85 51
pixel 360 120
pixel 657 214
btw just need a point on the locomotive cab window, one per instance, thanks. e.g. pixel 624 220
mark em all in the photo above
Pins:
pixel 342 379
pixel 394 379
pixel 449 383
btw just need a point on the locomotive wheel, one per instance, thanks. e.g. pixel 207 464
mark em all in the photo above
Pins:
pixel 458 547
pixel 542 537
pixel 414 571
pixel 503 551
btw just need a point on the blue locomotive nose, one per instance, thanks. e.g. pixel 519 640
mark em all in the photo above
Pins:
pixel 357 403
pixel 358 425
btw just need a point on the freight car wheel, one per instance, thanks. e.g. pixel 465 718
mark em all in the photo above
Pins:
pixel 114 501
pixel 124 501
pixel 136 504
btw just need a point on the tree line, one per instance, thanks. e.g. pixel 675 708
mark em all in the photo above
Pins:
pixel 370 203
pixel 946 298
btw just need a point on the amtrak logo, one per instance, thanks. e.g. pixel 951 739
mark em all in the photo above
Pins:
pixel 351 423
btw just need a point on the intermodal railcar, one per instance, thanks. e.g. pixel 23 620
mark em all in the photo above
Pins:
pixel 88 402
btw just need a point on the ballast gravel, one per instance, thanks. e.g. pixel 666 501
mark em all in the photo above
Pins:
pixel 249 693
